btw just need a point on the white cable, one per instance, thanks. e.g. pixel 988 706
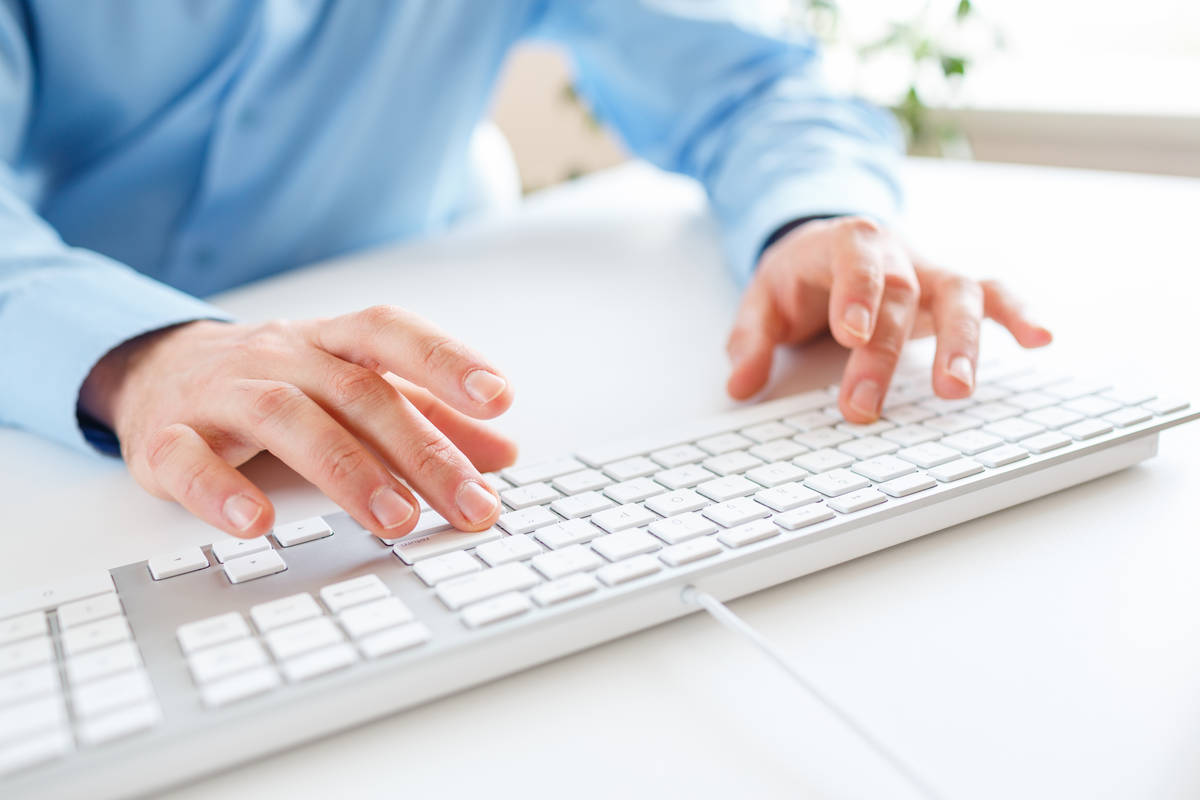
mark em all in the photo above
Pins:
pixel 693 596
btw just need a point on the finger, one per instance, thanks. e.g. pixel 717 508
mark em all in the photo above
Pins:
pixel 486 448
pixel 369 407
pixel 957 308
pixel 183 466
pixel 1003 306
pixel 386 338
pixel 870 367
pixel 283 419
pixel 757 328
pixel 859 265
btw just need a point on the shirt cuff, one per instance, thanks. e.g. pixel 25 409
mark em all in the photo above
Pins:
pixel 828 194
pixel 66 320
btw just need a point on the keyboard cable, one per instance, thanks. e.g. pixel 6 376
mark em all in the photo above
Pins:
pixel 722 614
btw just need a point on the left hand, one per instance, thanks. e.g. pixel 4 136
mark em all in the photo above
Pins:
pixel 856 279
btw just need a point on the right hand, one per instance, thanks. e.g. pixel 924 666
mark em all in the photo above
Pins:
pixel 350 403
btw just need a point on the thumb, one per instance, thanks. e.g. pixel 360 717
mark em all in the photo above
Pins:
pixel 751 346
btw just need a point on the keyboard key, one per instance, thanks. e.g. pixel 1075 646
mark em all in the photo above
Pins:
pixel 869 447
pixel 560 563
pixel 856 501
pixel 284 611
pixel 723 489
pixel 822 438
pixel 564 589
pixel 229 547
pixel 585 480
pixel 305 530
pixel 496 482
pixel 907 484
pixel 1054 417
pixel 685 553
pixel 23 627
pixel 1087 429
pixel 302 637
pixel 1032 401
pixel 723 443
pixel 119 724
pixel 780 472
pixel 732 463
pixel 684 477
pixel 33 750
pixel 993 412
pixel 883 468
pixel 912 435
pixel 786 496
pixel 95 634
pixel 682 527
pixel 581 505
pixel 26 653
pixel 953 423
pixel 1029 381
pixel 528 520
pixel 469 589
pixel 1013 430
pixel 864 430
pixel 92 609
pixel 810 421
pixel 748 533
pixel 1092 406
pixel 1124 417
pixel 565 534
pixel 519 476
pixel 533 494
pixel 1045 442
pixel 343 594
pixel 629 515
pixel 677 456
pixel 374 616
pixel 226 659
pixel 28 684
pixel 676 502
pixel 444 567
pixel 211 631
pixel 634 491
pixel 31 717
pixel 971 442
pixel 430 522
pixel 1128 396
pixel 625 571
pixel 1073 389
pixel 803 517
pixel 837 481
pixel 413 550
pixel 499 608
pixel 239 687
pixel 319 662
pixel 1002 456
pixel 1166 405
pixel 767 431
pixel 168 565
pixel 393 640
pixel 955 470
pixel 823 460
pixel 625 544
pixel 778 450
pixel 735 512
pixel 105 661
pixel 946 407
pixel 256 565
pixel 629 468
pixel 509 548
pixel 907 415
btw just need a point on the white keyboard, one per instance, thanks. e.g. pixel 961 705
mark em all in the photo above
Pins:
pixel 204 657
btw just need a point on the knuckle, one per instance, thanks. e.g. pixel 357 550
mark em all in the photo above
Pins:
pixel 353 385
pixel 432 453
pixel 274 401
pixel 195 478
pixel 342 463
pixel 962 329
pixel 163 445
pixel 380 316
pixel 859 226
pixel 903 286
pixel 439 352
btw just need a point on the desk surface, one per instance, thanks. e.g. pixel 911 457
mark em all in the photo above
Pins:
pixel 1049 650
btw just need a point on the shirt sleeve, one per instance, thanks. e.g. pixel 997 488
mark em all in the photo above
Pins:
pixel 61 308
pixel 694 90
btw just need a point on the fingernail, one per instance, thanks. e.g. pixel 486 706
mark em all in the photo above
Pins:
pixel 242 511
pixel 484 386
pixel 390 508
pixel 960 369
pixel 475 502
pixel 857 320
pixel 865 398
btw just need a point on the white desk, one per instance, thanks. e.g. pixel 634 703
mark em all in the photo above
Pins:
pixel 1051 650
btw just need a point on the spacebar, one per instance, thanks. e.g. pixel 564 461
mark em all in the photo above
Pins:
pixel 50 595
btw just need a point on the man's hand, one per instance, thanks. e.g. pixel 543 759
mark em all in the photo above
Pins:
pixel 853 277
pixel 349 403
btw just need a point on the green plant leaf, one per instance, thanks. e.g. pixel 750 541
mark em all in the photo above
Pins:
pixel 954 65
pixel 964 10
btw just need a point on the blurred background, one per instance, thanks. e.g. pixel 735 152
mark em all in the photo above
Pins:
pixel 1078 83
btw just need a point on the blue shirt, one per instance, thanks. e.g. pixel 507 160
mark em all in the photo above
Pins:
pixel 156 151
